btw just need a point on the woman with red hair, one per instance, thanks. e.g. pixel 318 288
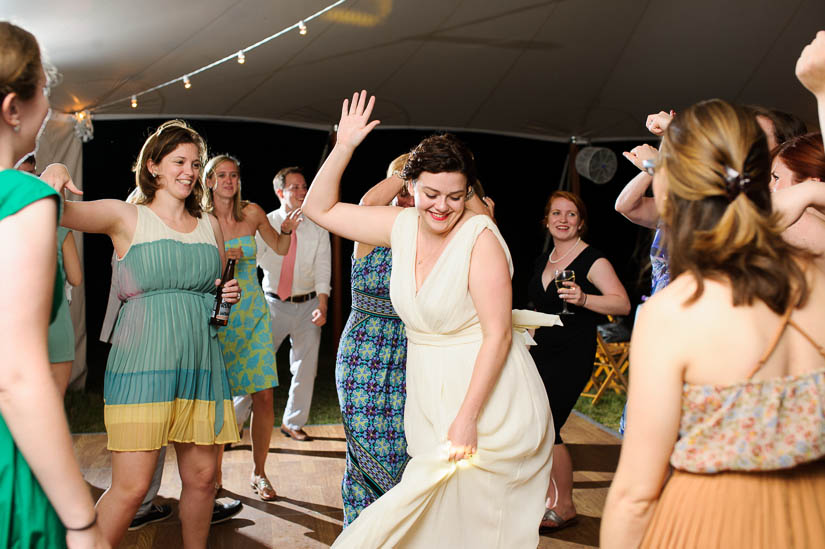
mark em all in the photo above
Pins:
pixel 795 161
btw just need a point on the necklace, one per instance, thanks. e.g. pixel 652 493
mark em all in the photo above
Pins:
pixel 550 259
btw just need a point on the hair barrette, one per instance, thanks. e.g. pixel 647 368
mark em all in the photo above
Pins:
pixel 735 183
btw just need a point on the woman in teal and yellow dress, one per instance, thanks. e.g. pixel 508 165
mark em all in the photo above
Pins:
pixel 246 341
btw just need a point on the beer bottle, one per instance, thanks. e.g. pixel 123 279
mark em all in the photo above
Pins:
pixel 220 312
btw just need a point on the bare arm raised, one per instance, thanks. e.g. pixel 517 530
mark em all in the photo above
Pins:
pixel 367 224
pixel 380 194
pixel 632 202
pixel 810 69
pixel 275 240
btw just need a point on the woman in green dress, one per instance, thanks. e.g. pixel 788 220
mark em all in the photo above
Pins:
pixel 44 501
pixel 246 341
pixel 61 330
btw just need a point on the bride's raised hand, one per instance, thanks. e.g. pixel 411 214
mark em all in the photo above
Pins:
pixel 355 125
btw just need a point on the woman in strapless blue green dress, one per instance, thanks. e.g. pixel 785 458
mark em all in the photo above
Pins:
pixel 246 341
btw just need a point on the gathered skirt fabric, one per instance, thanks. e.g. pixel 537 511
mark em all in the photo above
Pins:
pixel 771 509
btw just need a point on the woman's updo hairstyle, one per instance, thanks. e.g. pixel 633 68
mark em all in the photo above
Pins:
pixel 440 154
pixel 160 144
pixel 718 214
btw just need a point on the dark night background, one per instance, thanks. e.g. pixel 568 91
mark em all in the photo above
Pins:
pixel 518 173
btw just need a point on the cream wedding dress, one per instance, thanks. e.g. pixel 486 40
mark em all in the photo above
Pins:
pixel 496 498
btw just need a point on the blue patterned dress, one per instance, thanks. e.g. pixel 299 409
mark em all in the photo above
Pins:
pixel 370 377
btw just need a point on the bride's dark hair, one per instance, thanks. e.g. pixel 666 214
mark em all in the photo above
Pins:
pixel 439 154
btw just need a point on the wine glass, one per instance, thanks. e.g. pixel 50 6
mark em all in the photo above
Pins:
pixel 561 278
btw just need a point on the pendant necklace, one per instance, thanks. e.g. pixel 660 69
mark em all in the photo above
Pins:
pixel 550 258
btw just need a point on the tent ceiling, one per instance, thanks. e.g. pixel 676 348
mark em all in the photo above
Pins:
pixel 549 68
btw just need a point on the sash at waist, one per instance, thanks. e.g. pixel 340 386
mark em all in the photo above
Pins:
pixel 522 321
pixel 152 293
pixel 373 305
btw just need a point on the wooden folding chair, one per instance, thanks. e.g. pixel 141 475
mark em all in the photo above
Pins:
pixel 610 364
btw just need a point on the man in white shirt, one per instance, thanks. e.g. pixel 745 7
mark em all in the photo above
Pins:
pixel 298 306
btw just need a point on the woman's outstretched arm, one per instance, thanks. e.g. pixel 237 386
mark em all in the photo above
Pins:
pixel 367 224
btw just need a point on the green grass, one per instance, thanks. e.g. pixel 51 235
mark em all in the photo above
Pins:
pixel 85 409
pixel 607 411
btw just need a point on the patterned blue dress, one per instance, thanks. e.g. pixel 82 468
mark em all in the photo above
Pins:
pixel 370 377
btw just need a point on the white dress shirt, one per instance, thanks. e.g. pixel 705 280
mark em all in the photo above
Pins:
pixel 313 260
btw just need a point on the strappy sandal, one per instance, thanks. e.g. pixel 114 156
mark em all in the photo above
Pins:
pixel 552 521
pixel 262 487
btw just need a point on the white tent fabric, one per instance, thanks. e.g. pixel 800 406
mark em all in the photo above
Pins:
pixel 59 144
pixel 550 69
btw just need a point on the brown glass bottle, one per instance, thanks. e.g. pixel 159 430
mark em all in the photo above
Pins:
pixel 220 312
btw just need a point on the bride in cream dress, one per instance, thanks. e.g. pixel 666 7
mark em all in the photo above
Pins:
pixel 477 419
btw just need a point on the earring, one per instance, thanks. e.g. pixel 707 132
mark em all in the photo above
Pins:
pixel 154 174
pixel 17 128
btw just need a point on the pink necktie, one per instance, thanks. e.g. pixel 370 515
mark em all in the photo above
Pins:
pixel 288 267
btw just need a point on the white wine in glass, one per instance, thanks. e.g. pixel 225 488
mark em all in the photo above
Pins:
pixel 561 278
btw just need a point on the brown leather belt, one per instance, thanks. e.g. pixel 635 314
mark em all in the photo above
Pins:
pixel 294 298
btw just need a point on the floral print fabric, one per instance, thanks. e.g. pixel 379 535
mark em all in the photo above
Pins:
pixel 752 426
pixel 370 377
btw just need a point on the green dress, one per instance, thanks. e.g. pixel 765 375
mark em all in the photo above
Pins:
pixel 61 331
pixel 27 519
pixel 246 341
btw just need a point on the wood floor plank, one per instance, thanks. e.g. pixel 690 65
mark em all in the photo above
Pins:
pixel 307 476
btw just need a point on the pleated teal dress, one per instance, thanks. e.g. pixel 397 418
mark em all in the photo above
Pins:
pixel 165 379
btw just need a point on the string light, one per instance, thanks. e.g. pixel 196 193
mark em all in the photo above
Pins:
pixel 239 57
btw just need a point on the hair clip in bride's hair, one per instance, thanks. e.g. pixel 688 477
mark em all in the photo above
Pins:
pixel 735 183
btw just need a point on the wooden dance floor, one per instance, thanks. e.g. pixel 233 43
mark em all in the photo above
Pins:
pixel 307 477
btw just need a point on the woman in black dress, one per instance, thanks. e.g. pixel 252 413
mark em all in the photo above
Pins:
pixel 565 355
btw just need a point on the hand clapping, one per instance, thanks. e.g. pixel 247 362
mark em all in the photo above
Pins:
pixel 292 220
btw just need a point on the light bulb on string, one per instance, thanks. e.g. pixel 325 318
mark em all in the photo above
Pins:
pixel 239 56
